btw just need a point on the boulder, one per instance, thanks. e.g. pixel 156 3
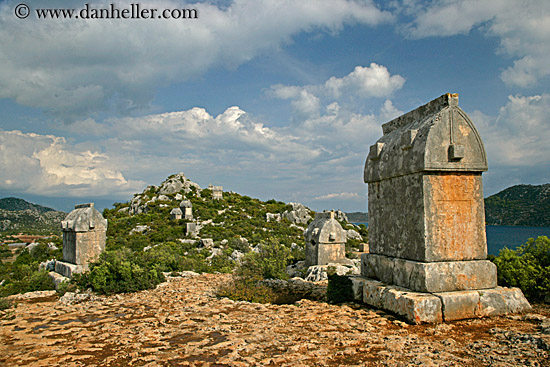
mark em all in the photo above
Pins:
pixel 353 234
pixel 299 214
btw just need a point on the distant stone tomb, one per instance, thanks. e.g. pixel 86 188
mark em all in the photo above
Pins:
pixel 176 214
pixel 325 240
pixel 84 235
pixel 428 248
pixel 217 192
pixel 187 209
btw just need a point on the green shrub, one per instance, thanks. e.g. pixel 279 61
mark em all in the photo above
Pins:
pixel 527 267
pixel 247 288
pixel 5 303
pixel 269 262
pixel 27 279
pixel 120 271
pixel 339 288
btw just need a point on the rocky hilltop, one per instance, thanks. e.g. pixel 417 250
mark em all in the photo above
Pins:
pixel 18 215
pixel 520 205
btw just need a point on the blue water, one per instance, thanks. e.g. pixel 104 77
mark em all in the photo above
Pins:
pixel 499 237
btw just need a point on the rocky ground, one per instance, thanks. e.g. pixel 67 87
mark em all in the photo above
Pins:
pixel 182 323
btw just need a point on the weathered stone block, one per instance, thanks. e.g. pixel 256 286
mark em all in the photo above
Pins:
pixel 377 267
pixel 500 301
pixel 357 287
pixel 416 307
pixel 428 218
pixel 451 276
pixel 445 276
pixel 459 305
pixel 68 269
pixel 57 279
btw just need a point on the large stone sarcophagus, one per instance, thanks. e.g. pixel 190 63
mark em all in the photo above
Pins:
pixel 84 237
pixel 427 220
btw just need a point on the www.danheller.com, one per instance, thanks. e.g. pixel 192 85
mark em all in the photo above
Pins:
pixel 133 11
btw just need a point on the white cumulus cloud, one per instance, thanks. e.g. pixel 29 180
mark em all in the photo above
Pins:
pixel 523 27
pixel 49 165
pixel 73 68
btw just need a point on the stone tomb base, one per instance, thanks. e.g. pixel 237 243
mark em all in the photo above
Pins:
pixel 68 269
pixel 432 277
pixel 418 307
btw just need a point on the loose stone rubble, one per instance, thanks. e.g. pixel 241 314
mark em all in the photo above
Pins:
pixel 182 323
pixel 428 251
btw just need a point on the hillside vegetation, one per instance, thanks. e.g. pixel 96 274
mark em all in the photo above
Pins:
pixel 520 205
pixel 18 215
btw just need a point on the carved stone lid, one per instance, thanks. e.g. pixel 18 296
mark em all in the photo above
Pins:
pixel 84 218
pixel 325 229
pixel 438 136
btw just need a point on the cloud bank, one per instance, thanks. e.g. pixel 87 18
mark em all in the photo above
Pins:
pixel 75 68
pixel 523 27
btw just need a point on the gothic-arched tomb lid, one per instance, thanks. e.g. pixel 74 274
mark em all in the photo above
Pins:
pixel 84 218
pixel 438 136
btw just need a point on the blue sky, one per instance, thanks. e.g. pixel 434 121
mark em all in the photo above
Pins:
pixel 269 98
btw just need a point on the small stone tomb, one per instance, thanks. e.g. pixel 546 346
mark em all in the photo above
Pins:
pixel 176 214
pixel 187 209
pixel 84 235
pixel 217 192
pixel 325 240
pixel 428 251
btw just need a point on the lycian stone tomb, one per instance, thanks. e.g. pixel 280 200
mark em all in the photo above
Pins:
pixel 217 192
pixel 428 251
pixel 84 235
pixel 325 240
pixel 187 209
pixel 176 214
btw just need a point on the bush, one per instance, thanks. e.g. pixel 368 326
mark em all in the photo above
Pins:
pixel 339 288
pixel 26 280
pixel 5 303
pixel 120 271
pixel 527 267
pixel 269 262
pixel 247 288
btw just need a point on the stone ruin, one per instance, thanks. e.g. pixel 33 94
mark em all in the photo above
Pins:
pixel 428 251
pixel 325 240
pixel 217 192
pixel 187 209
pixel 176 214
pixel 84 235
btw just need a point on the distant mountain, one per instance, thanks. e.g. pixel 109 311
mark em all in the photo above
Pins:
pixel 20 204
pixel 520 205
pixel 18 215
pixel 358 217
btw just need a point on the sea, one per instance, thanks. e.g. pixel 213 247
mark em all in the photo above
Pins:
pixel 499 237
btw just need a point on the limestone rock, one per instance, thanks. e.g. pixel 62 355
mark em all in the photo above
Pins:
pixel 299 214
pixel 353 234
pixel 318 273
pixel 143 229
pixel 177 183
pixel 206 242
pixel 273 217
pixel 71 298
